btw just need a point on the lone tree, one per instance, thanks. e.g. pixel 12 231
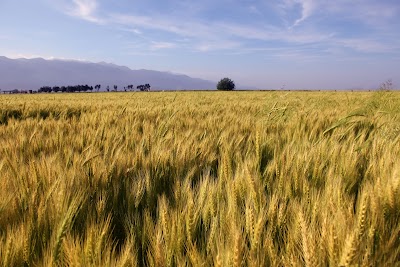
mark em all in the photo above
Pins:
pixel 386 86
pixel 226 84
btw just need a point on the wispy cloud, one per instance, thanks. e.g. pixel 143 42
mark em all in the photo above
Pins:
pixel 375 14
pixel 135 31
pixel 367 45
pixel 303 17
pixel 162 45
pixel 85 9
pixel 307 9
pixel 166 24
pixel 27 56
pixel 47 57
pixel 207 46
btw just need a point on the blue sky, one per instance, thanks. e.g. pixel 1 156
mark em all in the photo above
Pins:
pixel 298 44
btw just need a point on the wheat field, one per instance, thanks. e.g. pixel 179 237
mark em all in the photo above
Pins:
pixel 200 179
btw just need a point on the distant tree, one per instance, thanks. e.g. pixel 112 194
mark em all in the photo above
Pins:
pixel 108 88
pixel 115 88
pixel 129 87
pixel 226 84
pixel 144 87
pixel 45 89
pixel 387 85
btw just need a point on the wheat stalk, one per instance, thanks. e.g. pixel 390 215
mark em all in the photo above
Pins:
pixel 307 245
pixel 7 260
pixel 237 251
pixel 64 226
pixel 353 242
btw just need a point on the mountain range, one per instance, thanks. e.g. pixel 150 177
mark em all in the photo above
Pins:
pixel 31 74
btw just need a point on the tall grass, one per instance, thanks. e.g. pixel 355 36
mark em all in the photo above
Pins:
pixel 200 179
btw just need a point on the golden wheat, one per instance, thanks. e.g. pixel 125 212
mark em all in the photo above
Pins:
pixel 200 179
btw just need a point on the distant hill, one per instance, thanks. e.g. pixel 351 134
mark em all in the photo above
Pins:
pixel 31 74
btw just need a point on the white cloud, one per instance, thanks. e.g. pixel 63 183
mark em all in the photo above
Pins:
pixel 85 9
pixel 27 56
pixel 367 45
pixel 377 14
pixel 212 33
pixel 271 33
pixel 167 24
pixel 162 45
pixel 217 45
pixel 308 7
pixel 46 57
pixel 201 35
pixel 136 31
pixel 214 36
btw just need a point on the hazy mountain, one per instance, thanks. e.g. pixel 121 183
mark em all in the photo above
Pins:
pixel 34 73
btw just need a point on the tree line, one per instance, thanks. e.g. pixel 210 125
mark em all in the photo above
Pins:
pixel 87 88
